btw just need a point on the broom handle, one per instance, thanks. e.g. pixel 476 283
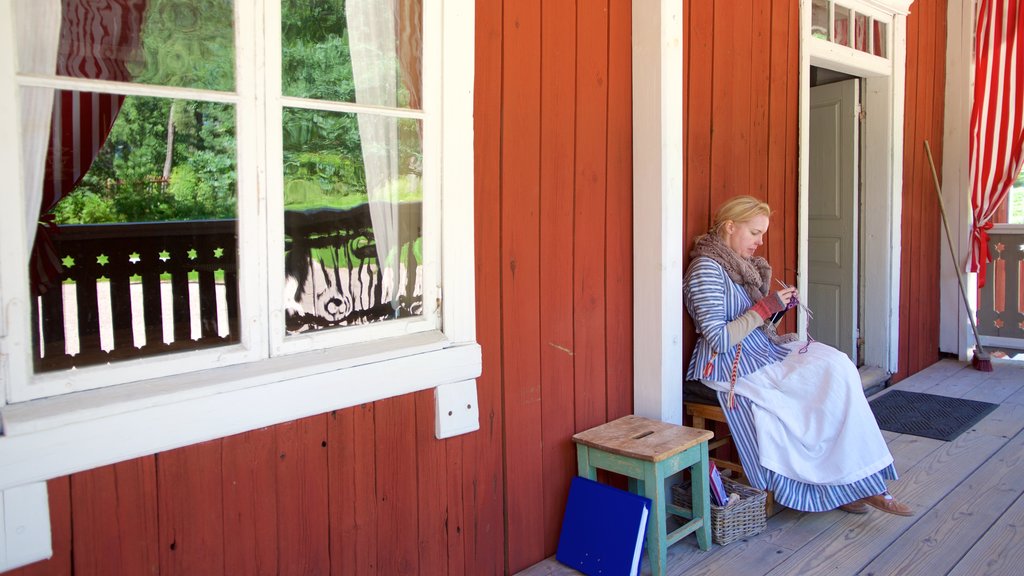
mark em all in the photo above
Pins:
pixel 952 253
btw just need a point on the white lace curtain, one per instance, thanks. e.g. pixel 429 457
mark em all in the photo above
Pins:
pixel 38 39
pixel 371 28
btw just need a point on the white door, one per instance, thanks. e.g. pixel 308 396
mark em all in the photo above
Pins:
pixel 832 215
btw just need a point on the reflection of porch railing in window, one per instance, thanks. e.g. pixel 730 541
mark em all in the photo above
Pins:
pixel 332 274
pixel 134 290
pixel 1001 301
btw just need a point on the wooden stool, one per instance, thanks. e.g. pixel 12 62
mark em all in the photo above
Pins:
pixel 701 413
pixel 647 452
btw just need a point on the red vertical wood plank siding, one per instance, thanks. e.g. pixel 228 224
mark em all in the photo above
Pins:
pixel 934 266
pixel 520 294
pixel 59 499
pixel 114 519
pixel 922 110
pixel 352 491
pixel 933 56
pixel 731 91
pixel 341 491
pixel 591 191
pixel 557 224
pixel 778 120
pixel 302 519
pixel 250 503
pixel 760 89
pixel 456 513
pixel 428 487
pixel 922 242
pixel 791 126
pixel 396 485
pixel 907 217
pixel 190 510
pixel 483 527
pixel 698 50
pixel 619 242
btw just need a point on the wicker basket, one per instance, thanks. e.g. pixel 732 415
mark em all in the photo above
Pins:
pixel 730 523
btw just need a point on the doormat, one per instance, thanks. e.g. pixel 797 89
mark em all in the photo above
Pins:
pixel 928 415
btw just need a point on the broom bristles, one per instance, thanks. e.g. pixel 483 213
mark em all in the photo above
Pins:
pixel 981 361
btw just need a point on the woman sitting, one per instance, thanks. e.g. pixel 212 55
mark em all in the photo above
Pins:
pixel 796 410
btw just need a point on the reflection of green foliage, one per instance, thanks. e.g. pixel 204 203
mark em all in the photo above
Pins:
pixel 124 183
pixel 191 43
pixel 315 58
pixel 188 43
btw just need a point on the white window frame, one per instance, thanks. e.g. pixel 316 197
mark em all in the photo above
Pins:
pixel 242 387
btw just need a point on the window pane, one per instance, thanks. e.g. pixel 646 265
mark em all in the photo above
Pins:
pixel 860 40
pixel 353 219
pixel 363 51
pixel 841 26
pixel 878 38
pixel 819 19
pixel 186 43
pixel 136 253
pixel 1011 211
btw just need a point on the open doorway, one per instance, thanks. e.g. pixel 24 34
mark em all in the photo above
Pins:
pixel 868 321
pixel 834 236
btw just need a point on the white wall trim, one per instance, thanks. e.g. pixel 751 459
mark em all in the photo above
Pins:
pixel 884 104
pixel 44 440
pixel 657 211
pixel 953 328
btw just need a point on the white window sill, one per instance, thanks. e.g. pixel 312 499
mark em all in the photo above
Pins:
pixel 46 438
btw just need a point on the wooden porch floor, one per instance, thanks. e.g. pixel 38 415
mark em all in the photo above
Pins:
pixel 968 496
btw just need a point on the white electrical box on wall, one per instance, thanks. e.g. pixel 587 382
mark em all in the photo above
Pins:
pixel 457 410
pixel 25 526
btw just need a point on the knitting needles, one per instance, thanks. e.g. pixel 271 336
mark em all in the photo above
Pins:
pixel 806 310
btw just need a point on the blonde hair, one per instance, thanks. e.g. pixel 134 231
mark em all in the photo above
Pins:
pixel 739 209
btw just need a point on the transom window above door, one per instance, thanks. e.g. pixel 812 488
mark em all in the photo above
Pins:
pixel 847 24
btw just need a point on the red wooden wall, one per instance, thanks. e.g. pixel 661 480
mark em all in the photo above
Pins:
pixel 368 490
pixel 923 246
pixel 741 78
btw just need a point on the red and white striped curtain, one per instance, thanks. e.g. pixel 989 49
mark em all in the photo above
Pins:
pixel 96 41
pixel 997 118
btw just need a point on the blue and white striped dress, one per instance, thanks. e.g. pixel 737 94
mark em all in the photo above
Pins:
pixel 822 378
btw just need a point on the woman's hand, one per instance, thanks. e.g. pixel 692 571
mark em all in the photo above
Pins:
pixel 775 302
pixel 789 295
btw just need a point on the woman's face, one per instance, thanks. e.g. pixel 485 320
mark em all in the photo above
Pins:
pixel 744 238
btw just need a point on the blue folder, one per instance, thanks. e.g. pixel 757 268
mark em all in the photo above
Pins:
pixel 603 529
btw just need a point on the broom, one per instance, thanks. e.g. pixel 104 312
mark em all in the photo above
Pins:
pixel 981 360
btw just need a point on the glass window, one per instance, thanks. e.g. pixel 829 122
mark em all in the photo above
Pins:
pixel 879 38
pixel 1011 211
pixel 353 175
pixel 183 199
pixel 841 25
pixel 184 43
pixel 860 39
pixel 819 19
pixel 135 253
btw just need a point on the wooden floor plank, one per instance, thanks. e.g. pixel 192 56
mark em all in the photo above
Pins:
pixel 942 536
pixel 1001 551
pixel 853 542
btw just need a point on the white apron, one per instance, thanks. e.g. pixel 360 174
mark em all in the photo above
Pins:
pixel 811 419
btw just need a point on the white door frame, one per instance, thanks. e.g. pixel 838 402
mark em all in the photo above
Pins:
pixel 884 90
